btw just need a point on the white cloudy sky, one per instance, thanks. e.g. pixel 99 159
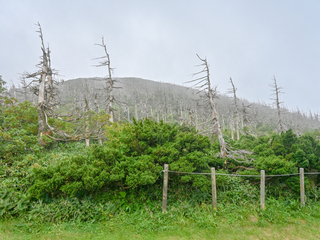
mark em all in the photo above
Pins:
pixel 247 40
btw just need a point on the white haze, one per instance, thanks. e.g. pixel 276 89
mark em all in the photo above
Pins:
pixel 247 40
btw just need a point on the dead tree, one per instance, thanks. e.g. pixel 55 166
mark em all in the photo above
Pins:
pixel 38 85
pixel 245 118
pixel 203 84
pixel 233 91
pixel 24 88
pixel 86 111
pixel 87 133
pixel 231 124
pixel 43 85
pixel 275 97
pixel 105 61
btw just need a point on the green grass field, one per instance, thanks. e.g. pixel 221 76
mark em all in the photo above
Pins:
pixel 299 229
pixel 279 221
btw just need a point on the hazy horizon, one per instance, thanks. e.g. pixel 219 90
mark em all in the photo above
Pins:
pixel 250 41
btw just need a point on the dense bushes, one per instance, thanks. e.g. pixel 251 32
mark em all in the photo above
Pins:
pixel 287 148
pixel 125 172
pixel 133 157
pixel 18 130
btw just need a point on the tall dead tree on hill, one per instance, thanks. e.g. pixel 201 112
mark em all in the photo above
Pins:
pixel 41 84
pixel 275 97
pixel 203 84
pixel 233 91
pixel 105 61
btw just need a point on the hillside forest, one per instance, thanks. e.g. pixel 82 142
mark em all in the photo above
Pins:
pixel 88 149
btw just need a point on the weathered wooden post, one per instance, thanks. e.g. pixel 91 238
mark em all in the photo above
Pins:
pixel 302 196
pixel 214 189
pixel 262 190
pixel 165 188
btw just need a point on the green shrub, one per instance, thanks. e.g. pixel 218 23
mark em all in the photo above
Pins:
pixel 133 157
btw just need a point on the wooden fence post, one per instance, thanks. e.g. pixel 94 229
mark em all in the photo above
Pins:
pixel 214 189
pixel 302 196
pixel 165 188
pixel 262 190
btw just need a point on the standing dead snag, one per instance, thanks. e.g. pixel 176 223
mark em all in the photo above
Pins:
pixel 38 85
pixel 43 85
pixel 109 81
pixel 86 113
pixel 246 122
pixel 233 91
pixel 202 83
pixel 276 92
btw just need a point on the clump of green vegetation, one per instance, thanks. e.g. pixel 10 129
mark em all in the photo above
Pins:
pixel 281 219
pixel 121 180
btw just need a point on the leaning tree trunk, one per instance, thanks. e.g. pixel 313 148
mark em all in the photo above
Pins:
pixel 214 113
pixel 42 126
pixel 233 91
pixel 204 86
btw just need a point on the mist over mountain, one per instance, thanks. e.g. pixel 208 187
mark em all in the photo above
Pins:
pixel 141 98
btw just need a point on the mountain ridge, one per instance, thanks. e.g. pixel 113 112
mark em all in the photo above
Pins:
pixel 141 98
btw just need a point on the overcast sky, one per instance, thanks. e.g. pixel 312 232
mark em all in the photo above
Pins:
pixel 248 40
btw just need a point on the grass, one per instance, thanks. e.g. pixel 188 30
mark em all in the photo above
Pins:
pixel 302 229
pixel 281 220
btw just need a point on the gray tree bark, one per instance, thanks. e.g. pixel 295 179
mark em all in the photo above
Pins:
pixel 233 91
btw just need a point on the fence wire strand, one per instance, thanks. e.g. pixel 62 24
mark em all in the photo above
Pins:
pixel 237 175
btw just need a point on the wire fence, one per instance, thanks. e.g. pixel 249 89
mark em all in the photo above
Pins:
pixel 239 175
pixel 213 174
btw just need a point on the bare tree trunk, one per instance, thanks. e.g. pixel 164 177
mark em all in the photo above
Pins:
pixel 24 86
pixel 165 108
pixel 203 83
pixel 128 113
pixel 136 112
pixel 223 123
pixel 233 91
pixel 49 79
pixel 190 117
pixel 42 127
pixel 276 92
pixel 196 119
pixel 86 110
pixel 151 112
pixel 223 147
pixel 158 117
pixel 171 114
pixel 97 110
pixel 96 103
pixel 109 81
pixel 231 123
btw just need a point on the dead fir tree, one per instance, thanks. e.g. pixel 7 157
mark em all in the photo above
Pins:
pixel 43 85
pixel 276 91
pixel 246 120
pixel 203 84
pixel 233 91
pixel 109 81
